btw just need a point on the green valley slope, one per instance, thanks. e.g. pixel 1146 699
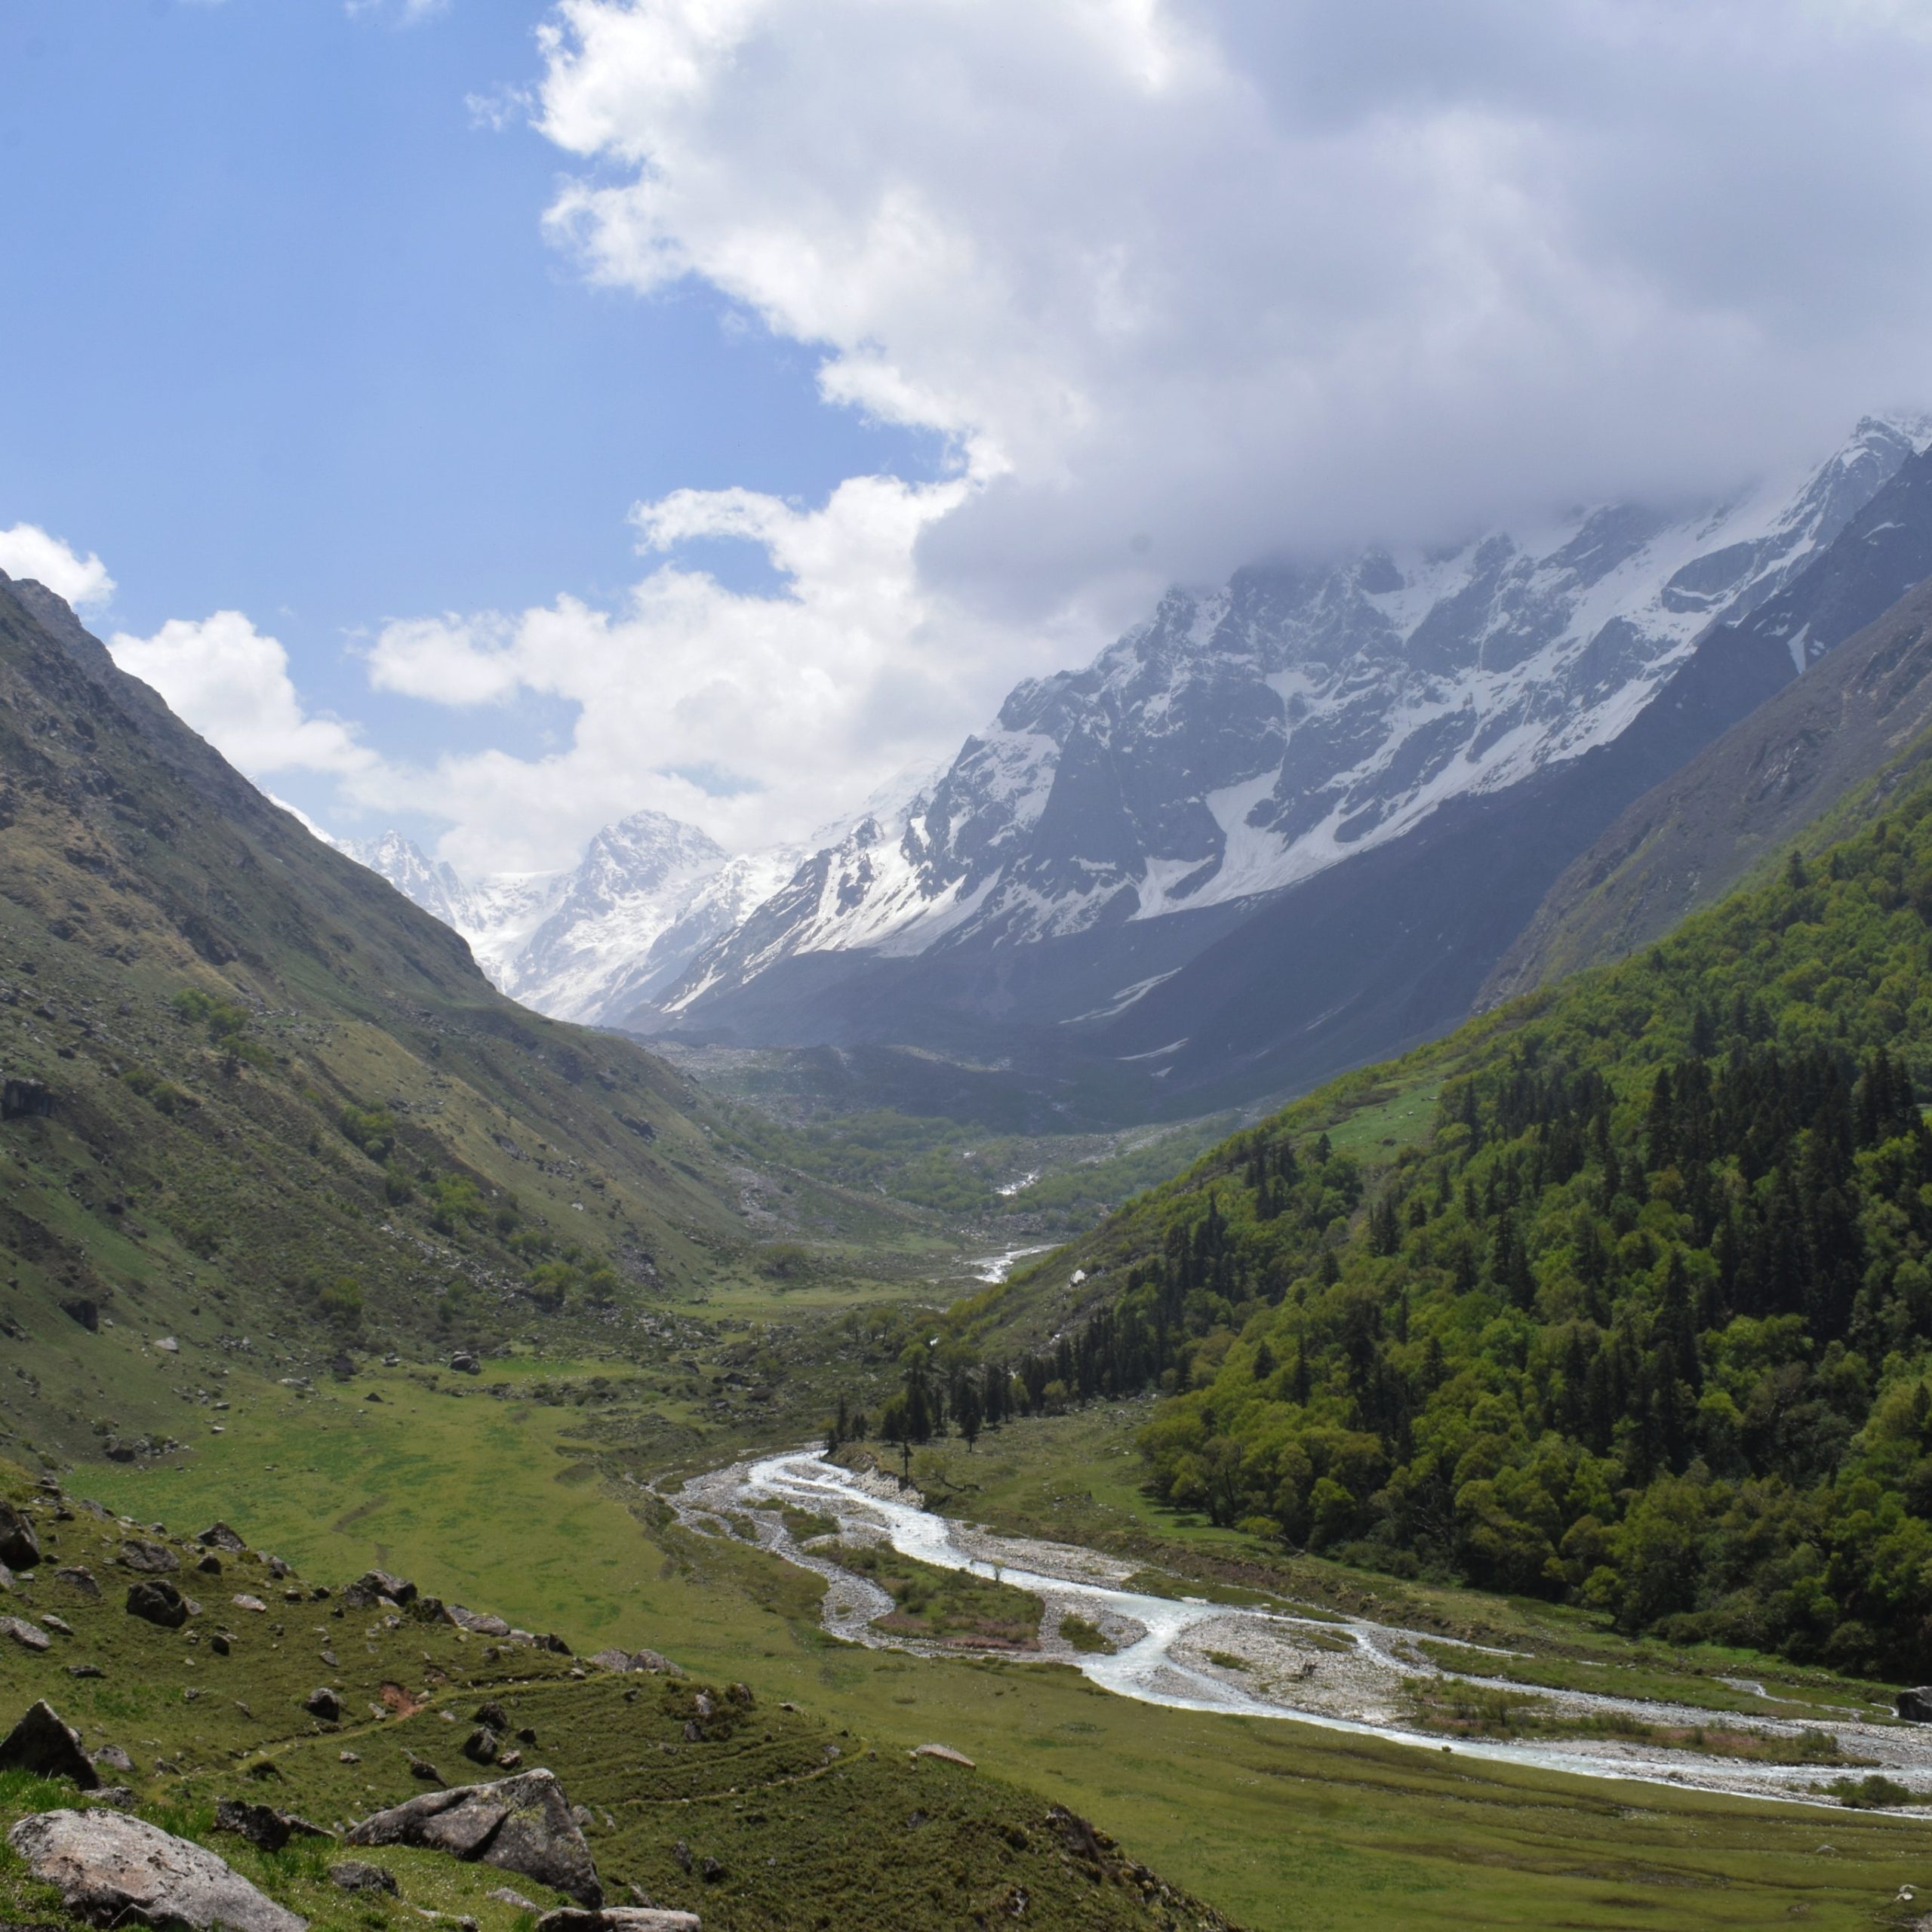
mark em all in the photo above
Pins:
pixel 1619 1297
pixel 285 1115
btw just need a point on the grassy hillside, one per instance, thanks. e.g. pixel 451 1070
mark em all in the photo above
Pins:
pixel 1635 1313
pixel 285 1115
pixel 761 1817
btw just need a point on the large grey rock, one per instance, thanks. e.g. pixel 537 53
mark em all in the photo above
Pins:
pixel 1915 1706
pixel 78 1577
pixel 24 1633
pixel 41 1743
pixel 620 1918
pixel 156 1601
pixel 219 1536
pixel 19 1548
pixel 109 1868
pixel 520 1824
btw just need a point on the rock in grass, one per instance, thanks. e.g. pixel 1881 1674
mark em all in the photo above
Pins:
pixel 649 1661
pixel 19 1548
pixel 620 1918
pixel 155 1602
pixel 481 1746
pixel 77 1576
pixel 41 1743
pixel 521 1824
pixel 114 1757
pixel 109 1868
pixel 262 1825
pixel 373 1584
pixel 219 1536
pixel 1915 1706
pixel 24 1633
pixel 944 1753
pixel 353 1875
pixel 322 1702
pixel 152 1559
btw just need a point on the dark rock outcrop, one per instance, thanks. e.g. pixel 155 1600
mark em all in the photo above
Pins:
pixel 41 1743
pixel 262 1825
pixel 156 1601
pixel 521 1824
pixel 19 1548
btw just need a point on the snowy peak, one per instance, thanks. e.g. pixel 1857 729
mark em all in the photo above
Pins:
pixel 432 884
pixel 575 943
pixel 1246 738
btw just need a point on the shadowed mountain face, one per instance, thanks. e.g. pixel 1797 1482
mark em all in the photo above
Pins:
pixel 1129 1016
pixel 270 1097
pixel 1866 709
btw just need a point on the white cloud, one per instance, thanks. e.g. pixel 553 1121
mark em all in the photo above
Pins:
pixel 1233 275
pixel 757 716
pixel 1177 283
pixel 26 550
pixel 231 683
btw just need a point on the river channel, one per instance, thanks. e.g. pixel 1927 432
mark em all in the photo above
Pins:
pixel 1345 1675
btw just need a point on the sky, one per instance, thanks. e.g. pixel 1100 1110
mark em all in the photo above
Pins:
pixel 490 418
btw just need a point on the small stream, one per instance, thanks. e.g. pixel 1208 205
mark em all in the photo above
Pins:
pixel 1189 1654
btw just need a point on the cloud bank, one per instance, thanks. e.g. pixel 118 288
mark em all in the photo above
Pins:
pixel 1176 284
pixel 1188 281
pixel 26 550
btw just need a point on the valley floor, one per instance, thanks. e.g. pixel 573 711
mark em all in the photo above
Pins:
pixel 522 1503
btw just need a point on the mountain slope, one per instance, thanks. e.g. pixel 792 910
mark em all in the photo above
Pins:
pixel 1622 1295
pixel 1243 741
pixel 282 1103
pixel 1685 844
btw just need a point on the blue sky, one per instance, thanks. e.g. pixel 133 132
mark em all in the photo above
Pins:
pixel 299 346
pixel 496 416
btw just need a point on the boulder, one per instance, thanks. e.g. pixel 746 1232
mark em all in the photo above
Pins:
pixel 219 1536
pixel 323 1703
pixel 521 1824
pixel 152 1559
pixel 650 1660
pixel 944 1753
pixel 481 1746
pixel 24 1633
pixel 493 1714
pixel 262 1825
pixel 109 1868
pixel 78 1577
pixel 620 1919
pixel 155 1602
pixel 474 1622
pixel 41 1743
pixel 19 1548
pixel 114 1757
pixel 372 1585
pixel 353 1875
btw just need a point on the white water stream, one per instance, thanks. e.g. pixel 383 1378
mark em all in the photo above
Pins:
pixel 1192 1655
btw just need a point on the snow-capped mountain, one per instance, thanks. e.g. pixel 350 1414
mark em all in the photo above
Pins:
pixel 1250 737
pixel 593 941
